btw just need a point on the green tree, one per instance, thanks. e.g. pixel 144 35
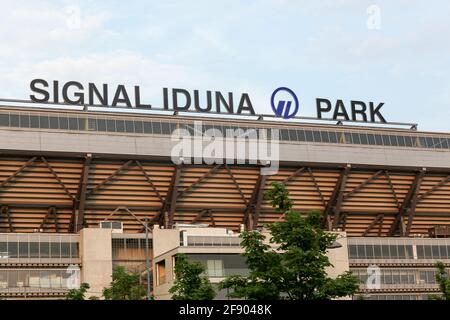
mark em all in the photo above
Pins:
pixel 443 281
pixel 189 282
pixel 124 286
pixel 78 294
pixel 296 268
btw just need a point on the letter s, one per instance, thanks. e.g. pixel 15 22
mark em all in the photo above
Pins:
pixel 34 88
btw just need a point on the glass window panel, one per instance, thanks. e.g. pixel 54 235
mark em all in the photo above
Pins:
pixel 435 252
pixel 409 252
pixel 24 120
pixel 293 135
pixel 363 138
pixel 74 249
pixel 138 126
pixel 361 251
pixel 44 122
pixel 401 141
pixel 316 136
pixel 156 127
pixel 385 251
pixel 429 142
pixel 3 248
pixel 377 251
pixel 14 120
pixel 301 135
pixel 371 139
pixel 44 248
pixel 65 250
pixel 73 123
pixel 54 123
pixel 352 251
pixel 23 250
pixel 129 126
pixel 348 138
pixel 13 249
pixel 386 140
pixel 101 125
pixel 333 137
pixel 378 140
pixel 420 252
pixel 369 251
pixel 55 250
pixel 34 249
pixel 393 141
pixel 284 134
pixel 63 123
pixel 111 125
pixel 443 252
pixel 120 126
pixel 408 141
pixel 401 252
pixel 4 120
pixel 91 124
pixel 165 128
pixel 444 143
pixel 309 135
pixel 393 251
pixel 324 136
pixel 428 254
pixel 356 138
pixel 147 127
pixel 34 122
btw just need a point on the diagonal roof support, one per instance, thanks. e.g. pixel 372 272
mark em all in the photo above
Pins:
pixel 236 184
pixel 57 178
pixel 363 184
pixel 16 173
pixel 80 202
pixel 378 220
pixel 126 165
pixel 339 197
pixel 4 210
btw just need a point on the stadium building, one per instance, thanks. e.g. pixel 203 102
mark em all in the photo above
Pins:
pixel 76 187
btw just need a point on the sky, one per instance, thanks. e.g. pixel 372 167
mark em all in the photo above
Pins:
pixel 393 51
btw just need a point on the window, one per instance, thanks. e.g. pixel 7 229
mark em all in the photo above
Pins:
pixel 24 121
pixel 165 128
pixel 12 249
pixel 161 272
pixel 214 268
pixel 44 248
pixel 352 251
pixel 34 249
pixel 4 120
pixel 309 135
pixel 138 126
pixel 73 124
pixel 55 250
pixel 120 126
pixel 23 250
pixel 54 123
pixel 129 126
pixel 156 127
pixel 63 123
pixel 316 135
pixel 65 250
pixel 44 122
pixel 293 135
pixel 110 125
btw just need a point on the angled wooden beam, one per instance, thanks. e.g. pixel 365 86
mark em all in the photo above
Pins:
pixel 316 185
pixel 236 184
pixel 326 222
pixel 344 221
pixel 412 193
pixel 11 177
pixel 297 173
pixel 380 225
pixel 80 202
pixel 110 177
pixel 375 221
pixel 149 180
pixel 55 175
pixel 363 184
pixel 160 216
pixel 336 208
pixel 247 220
pixel 200 180
pixel 201 214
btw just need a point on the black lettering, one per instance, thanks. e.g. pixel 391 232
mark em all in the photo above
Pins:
pixel 320 108
pixel 137 98
pixel 356 111
pixel 197 102
pixel 175 93
pixel 165 99
pixel 55 91
pixel 245 104
pixel 102 98
pixel 220 99
pixel 376 112
pixel 79 95
pixel 339 110
pixel 121 91
pixel 34 88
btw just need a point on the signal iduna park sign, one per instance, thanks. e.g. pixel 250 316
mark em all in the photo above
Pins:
pixel 176 99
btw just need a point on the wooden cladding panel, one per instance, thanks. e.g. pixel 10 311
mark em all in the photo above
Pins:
pixel 142 188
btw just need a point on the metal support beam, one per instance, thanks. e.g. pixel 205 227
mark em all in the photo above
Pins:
pixel 259 199
pixel 172 196
pixel 363 184
pixel 378 220
pixel 149 180
pixel 11 177
pixel 409 202
pixel 79 204
pixel 51 213
pixel 297 173
pixel 115 173
pixel 55 175
pixel 200 180
pixel 316 185
pixel 339 197
pixel 236 184
pixel 4 210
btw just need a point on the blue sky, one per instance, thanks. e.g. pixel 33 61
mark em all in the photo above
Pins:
pixel 320 48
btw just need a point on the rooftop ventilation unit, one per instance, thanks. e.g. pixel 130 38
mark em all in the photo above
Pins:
pixel 115 226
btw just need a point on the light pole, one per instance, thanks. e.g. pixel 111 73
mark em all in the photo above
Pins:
pixel 147 259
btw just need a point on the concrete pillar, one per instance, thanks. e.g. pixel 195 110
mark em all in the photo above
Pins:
pixel 96 259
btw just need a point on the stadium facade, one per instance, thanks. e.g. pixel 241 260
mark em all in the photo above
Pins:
pixel 76 187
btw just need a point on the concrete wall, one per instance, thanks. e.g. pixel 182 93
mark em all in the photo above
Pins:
pixel 96 259
pixel 160 146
